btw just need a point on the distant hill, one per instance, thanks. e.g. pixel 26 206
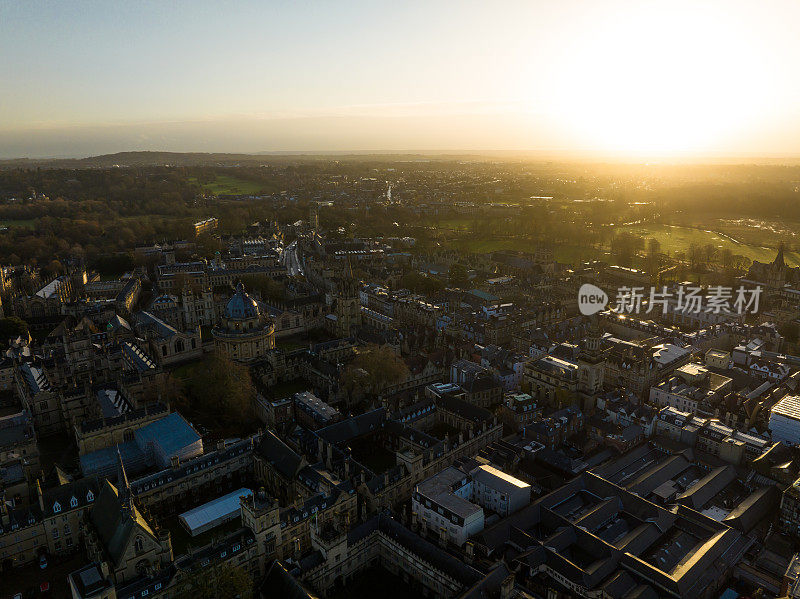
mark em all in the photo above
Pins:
pixel 134 159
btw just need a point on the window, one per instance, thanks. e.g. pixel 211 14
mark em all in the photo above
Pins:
pixel 90 497
pixel 56 507
pixel 138 545
pixel 73 502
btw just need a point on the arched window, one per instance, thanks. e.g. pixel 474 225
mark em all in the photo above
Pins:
pixel 89 496
pixel 138 545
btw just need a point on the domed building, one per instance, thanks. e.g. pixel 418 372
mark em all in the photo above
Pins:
pixel 245 333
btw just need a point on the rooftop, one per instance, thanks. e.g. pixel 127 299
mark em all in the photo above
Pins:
pixel 789 407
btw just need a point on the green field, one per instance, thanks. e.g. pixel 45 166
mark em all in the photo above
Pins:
pixel 760 232
pixel 567 253
pixel 456 224
pixel 24 223
pixel 485 246
pixel 227 185
pixel 675 238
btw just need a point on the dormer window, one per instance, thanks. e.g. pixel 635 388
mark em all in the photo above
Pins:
pixel 73 503
pixel 56 507
pixel 89 496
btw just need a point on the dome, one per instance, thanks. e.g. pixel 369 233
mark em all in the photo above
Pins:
pixel 241 306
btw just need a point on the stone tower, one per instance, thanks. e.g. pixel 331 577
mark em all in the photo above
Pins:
pixel 591 364
pixel 348 308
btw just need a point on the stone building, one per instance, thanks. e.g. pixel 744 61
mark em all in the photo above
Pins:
pixel 245 333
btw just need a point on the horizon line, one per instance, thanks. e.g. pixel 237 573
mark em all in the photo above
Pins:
pixel 593 156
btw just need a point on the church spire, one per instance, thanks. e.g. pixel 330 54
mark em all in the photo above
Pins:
pixel 348 269
pixel 779 262
pixel 122 482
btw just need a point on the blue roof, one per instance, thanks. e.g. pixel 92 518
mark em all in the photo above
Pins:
pixel 172 433
pixel 241 305
pixel 104 461
pixel 167 436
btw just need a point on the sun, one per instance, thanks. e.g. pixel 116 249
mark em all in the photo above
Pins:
pixel 656 81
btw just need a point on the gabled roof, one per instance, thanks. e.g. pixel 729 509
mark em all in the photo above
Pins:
pixel 278 582
pixel 280 456
pixel 117 522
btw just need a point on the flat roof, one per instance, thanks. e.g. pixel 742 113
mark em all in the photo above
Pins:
pixel 213 510
pixel 439 489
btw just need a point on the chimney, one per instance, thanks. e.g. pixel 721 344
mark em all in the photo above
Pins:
pixel 4 515
pixel 296 549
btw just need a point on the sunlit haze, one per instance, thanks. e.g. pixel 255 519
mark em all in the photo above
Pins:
pixel 614 77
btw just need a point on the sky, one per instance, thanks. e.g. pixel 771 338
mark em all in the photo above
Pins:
pixel 629 78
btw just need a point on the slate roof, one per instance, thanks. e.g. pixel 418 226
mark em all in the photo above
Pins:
pixel 115 522
pixel 351 428
pixel 759 505
pixel 464 409
pixel 155 324
pixel 279 455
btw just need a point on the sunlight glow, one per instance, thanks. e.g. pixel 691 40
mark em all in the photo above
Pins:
pixel 654 81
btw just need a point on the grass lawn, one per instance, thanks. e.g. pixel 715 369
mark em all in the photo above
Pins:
pixel 455 224
pixel 29 223
pixel 674 238
pixel 185 371
pixel 283 390
pixel 227 185
pixel 565 253
pixel 485 246
pixel 291 343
